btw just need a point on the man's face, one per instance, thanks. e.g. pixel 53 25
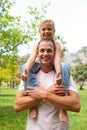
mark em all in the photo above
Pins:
pixel 47 30
pixel 46 52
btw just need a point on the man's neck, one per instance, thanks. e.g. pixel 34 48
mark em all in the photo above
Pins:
pixel 46 68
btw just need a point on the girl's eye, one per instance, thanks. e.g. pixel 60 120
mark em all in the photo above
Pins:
pixel 49 29
pixel 43 29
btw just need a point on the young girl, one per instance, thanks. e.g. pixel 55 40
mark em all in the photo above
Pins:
pixel 46 30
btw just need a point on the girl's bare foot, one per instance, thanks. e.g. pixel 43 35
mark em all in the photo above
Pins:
pixel 63 116
pixel 33 113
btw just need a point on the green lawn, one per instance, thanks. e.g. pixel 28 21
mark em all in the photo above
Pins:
pixel 9 120
pixel 78 121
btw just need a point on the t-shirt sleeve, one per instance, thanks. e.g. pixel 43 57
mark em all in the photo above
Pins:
pixel 21 85
pixel 72 85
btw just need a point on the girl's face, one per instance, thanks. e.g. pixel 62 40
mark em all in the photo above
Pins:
pixel 47 30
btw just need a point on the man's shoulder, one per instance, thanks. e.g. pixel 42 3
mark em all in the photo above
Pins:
pixel 21 85
pixel 23 67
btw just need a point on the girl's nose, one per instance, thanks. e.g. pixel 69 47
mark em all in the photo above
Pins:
pixel 46 30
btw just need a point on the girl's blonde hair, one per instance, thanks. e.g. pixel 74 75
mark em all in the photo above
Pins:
pixel 47 20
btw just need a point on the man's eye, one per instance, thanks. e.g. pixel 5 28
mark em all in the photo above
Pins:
pixel 42 50
pixel 49 50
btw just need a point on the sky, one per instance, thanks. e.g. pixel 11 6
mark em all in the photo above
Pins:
pixel 70 17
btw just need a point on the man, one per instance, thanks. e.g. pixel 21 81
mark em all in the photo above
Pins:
pixel 47 96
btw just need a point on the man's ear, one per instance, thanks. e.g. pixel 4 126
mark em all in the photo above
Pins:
pixel 37 53
pixel 54 30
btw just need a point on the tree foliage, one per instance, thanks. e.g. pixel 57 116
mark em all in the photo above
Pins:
pixel 63 48
pixel 84 50
pixel 36 15
pixel 80 74
pixel 12 34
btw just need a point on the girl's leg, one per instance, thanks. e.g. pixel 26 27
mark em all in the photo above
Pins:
pixel 32 81
pixel 33 113
pixel 63 116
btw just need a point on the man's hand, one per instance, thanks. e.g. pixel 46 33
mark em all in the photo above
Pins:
pixel 39 92
pixel 27 90
pixel 36 93
pixel 24 75
pixel 59 90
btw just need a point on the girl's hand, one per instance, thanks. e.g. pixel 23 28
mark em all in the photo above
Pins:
pixel 58 79
pixel 24 75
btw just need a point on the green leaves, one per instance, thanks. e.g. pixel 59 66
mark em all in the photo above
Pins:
pixel 80 74
pixel 12 34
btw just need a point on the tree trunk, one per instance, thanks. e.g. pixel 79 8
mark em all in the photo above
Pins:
pixel 81 86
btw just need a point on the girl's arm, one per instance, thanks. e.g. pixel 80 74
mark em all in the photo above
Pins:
pixel 30 62
pixel 57 60
pixel 31 59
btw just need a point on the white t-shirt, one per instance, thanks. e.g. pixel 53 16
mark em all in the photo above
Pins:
pixel 48 118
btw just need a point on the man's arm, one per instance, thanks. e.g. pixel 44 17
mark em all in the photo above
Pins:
pixel 23 102
pixel 71 102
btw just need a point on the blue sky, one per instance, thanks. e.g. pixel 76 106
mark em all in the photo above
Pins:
pixel 70 17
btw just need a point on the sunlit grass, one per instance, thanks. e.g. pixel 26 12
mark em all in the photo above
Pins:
pixel 78 121
pixel 9 120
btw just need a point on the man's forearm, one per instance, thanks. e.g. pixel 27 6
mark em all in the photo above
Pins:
pixel 70 103
pixel 24 102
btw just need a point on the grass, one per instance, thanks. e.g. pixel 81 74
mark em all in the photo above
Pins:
pixel 78 121
pixel 9 120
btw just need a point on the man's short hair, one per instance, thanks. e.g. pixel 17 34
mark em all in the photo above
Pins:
pixel 47 39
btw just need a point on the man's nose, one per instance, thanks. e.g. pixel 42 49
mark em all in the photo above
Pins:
pixel 45 53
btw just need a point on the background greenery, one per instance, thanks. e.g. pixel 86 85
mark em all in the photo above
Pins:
pixel 9 120
pixel 14 33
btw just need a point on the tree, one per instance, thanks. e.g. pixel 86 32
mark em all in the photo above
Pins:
pixel 84 50
pixel 80 74
pixel 63 48
pixel 36 15
pixel 78 57
pixel 10 74
pixel 11 33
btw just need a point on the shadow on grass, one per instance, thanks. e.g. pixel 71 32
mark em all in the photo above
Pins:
pixel 4 95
